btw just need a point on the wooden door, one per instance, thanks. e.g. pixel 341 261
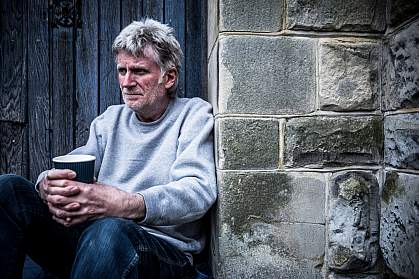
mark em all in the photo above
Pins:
pixel 58 72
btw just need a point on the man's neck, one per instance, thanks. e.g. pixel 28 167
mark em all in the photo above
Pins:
pixel 152 114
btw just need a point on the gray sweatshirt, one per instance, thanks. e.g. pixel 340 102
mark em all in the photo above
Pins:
pixel 169 161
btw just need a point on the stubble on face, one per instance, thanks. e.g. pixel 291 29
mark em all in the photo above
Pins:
pixel 142 87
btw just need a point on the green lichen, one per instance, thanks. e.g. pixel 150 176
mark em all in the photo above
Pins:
pixel 341 256
pixel 353 188
pixel 391 188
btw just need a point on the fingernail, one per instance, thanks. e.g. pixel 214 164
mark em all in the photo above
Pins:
pixel 72 174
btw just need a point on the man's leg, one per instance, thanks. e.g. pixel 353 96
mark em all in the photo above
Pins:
pixel 119 248
pixel 26 226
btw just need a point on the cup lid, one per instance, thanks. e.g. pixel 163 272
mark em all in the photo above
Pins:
pixel 73 158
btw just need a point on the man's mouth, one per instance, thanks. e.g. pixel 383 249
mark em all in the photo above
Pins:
pixel 132 94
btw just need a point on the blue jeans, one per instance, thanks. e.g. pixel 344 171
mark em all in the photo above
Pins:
pixel 104 248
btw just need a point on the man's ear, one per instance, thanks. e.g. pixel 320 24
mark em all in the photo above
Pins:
pixel 170 78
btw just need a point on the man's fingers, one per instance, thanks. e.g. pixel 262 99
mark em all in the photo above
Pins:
pixel 65 222
pixel 60 174
pixel 60 182
pixel 66 191
pixel 58 200
pixel 72 206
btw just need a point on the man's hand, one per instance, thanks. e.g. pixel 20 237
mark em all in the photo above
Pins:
pixel 73 202
pixel 59 183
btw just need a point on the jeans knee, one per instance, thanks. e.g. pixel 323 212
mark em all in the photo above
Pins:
pixel 105 245
pixel 107 236
pixel 9 182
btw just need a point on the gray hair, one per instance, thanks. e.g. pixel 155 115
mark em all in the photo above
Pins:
pixel 152 34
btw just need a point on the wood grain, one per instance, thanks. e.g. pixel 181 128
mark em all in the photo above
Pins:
pixel 131 10
pixel 87 75
pixel 175 17
pixel 38 88
pixel 62 91
pixel 13 62
pixel 12 138
pixel 196 49
pixel 109 27
pixel 154 9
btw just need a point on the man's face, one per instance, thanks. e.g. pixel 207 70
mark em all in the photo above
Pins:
pixel 144 90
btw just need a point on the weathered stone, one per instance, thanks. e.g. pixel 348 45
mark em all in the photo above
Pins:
pixel 401 69
pixel 353 221
pixel 213 80
pixel 259 234
pixel 333 141
pixel 399 225
pixel 273 251
pixel 355 276
pixel 248 144
pixel 266 75
pixel 349 78
pixel 328 15
pixel 247 197
pixel 402 10
pixel 401 144
pixel 256 15
pixel 212 24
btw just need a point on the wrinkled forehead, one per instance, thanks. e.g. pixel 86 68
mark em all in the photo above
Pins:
pixel 145 52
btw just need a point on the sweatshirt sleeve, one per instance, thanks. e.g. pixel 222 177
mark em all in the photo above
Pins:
pixel 192 189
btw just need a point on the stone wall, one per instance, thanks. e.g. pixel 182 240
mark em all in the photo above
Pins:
pixel 317 138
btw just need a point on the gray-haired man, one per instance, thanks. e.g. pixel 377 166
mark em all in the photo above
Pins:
pixel 155 180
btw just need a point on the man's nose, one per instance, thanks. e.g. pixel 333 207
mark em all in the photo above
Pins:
pixel 127 80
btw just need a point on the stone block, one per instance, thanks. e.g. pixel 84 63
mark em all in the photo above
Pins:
pixel 401 143
pixel 353 221
pixel 333 141
pixel 355 276
pixel 251 15
pixel 399 225
pixel 349 75
pixel 248 144
pixel 402 10
pixel 401 69
pixel 334 15
pixel 247 197
pixel 266 75
pixel 273 251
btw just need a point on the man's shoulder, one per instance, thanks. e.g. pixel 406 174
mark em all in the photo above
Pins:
pixel 195 104
pixel 110 115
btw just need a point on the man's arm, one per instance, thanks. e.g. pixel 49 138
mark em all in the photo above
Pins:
pixel 193 188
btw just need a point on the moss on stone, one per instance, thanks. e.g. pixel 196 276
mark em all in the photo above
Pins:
pixel 390 188
pixel 253 197
pixel 341 256
pixel 353 188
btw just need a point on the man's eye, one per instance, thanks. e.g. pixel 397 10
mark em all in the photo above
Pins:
pixel 139 71
pixel 122 71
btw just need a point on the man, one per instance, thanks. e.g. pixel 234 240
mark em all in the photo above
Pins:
pixel 155 180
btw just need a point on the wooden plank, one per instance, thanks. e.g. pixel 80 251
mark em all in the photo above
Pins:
pixel 109 27
pixel 154 9
pixel 13 62
pixel 11 149
pixel 131 10
pixel 175 17
pixel 62 90
pixel 196 49
pixel 38 88
pixel 87 76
